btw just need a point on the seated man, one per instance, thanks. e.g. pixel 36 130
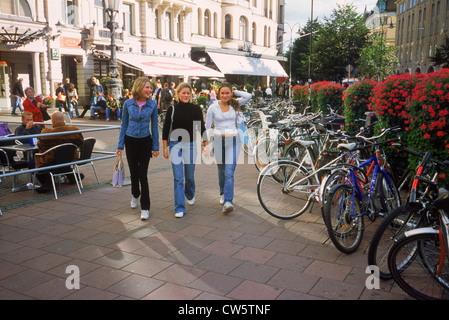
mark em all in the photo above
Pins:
pixel 45 143
pixel 112 105
pixel 100 105
pixel 28 128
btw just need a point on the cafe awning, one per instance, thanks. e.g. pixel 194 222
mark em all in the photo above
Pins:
pixel 247 65
pixel 156 65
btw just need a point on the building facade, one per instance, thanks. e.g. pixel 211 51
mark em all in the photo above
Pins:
pixel 421 27
pixel 46 41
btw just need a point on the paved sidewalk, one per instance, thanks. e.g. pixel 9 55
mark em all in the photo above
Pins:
pixel 245 255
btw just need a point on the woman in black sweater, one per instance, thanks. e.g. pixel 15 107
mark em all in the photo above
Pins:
pixel 183 127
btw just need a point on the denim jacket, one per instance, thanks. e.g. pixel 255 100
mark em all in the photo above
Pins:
pixel 138 125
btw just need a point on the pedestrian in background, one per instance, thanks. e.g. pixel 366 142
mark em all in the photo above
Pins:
pixel 72 100
pixel 139 113
pixel 18 94
pixel 226 144
pixel 180 135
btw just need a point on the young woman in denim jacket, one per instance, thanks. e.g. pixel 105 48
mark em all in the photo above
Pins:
pixel 140 144
pixel 226 144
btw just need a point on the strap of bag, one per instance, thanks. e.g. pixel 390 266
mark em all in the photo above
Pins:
pixel 171 123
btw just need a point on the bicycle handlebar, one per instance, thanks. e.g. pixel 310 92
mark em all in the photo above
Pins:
pixel 427 157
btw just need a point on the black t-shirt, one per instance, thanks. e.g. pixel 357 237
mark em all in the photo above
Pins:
pixel 188 116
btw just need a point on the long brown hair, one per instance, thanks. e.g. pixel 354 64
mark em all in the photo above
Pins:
pixel 139 84
pixel 233 102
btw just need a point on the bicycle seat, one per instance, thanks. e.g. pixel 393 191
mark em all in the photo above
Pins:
pixel 443 200
pixel 348 146
pixel 306 143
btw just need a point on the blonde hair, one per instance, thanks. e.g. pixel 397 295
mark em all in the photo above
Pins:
pixel 181 86
pixel 139 84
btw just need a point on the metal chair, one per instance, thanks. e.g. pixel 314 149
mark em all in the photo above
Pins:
pixel 63 153
pixel 9 164
pixel 86 153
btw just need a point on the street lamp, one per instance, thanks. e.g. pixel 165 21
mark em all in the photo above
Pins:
pixel 383 20
pixel 114 83
pixel 290 58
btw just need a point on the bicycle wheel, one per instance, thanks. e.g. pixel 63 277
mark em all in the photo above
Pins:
pixel 425 276
pixel 252 139
pixel 392 227
pixel 343 218
pixel 388 195
pixel 296 152
pixel 265 152
pixel 278 192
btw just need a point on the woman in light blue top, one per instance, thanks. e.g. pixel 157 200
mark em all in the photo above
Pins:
pixel 226 145
pixel 140 144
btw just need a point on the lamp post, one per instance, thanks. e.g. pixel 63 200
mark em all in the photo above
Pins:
pixel 114 83
pixel 383 20
pixel 290 58
pixel 310 54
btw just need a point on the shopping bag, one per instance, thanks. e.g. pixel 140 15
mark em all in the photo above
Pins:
pixel 119 172
pixel 242 129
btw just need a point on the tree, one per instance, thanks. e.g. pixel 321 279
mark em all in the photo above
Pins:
pixel 441 57
pixel 377 59
pixel 338 43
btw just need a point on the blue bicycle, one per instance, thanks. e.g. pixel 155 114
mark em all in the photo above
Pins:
pixel 355 198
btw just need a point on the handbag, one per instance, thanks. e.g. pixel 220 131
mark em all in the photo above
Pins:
pixel 45 114
pixel 119 172
pixel 242 128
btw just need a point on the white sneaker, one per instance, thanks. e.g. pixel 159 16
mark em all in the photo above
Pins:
pixel 228 207
pixel 145 214
pixel 221 199
pixel 134 202
pixel 179 214
pixel 191 201
pixel 107 119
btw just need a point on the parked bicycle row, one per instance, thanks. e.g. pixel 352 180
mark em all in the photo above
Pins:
pixel 303 159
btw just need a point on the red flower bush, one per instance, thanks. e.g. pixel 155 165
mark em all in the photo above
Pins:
pixel 328 94
pixel 356 100
pixel 301 93
pixel 428 118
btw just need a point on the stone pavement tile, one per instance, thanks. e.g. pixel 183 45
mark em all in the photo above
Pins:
pixel 255 272
pixel 85 267
pixel 6 294
pixel 64 246
pixel 90 293
pixel 286 246
pixel 250 290
pixel 254 228
pixel 210 296
pixel 179 274
pixel 218 264
pixel 58 229
pixel 103 277
pixel 328 270
pixel 294 280
pixel 297 296
pixel 191 241
pixel 224 235
pixel 6 246
pixel 147 266
pixel 22 254
pixel 170 291
pixel 25 280
pixel 135 286
pixel 197 231
pixel 128 244
pixel 215 283
pixel 253 240
pixel 7 269
pixel 18 220
pixel 79 234
pixel 221 248
pixel 46 261
pixel 37 224
pixel 90 252
pixel 117 259
pixel 321 252
pixel 55 289
pixel 279 232
pixel 289 262
pixel 18 235
pixel 104 239
pixel 255 255
pixel 336 290
pixel 381 294
pixel 187 256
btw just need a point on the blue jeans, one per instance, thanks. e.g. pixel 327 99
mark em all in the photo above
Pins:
pixel 93 109
pixel 226 151
pixel 108 113
pixel 17 103
pixel 73 105
pixel 183 157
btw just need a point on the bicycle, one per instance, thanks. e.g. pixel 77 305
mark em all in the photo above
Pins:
pixel 412 215
pixel 349 202
pixel 419 260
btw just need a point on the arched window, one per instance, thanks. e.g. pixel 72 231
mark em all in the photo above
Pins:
pixel 200 21
pixel 243 29
pixel 156 24
pixel 265 36
pixel 228 32
pixel 19 8
pixel 207 23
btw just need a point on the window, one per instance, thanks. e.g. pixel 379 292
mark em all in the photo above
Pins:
pixel 243 29
pixel 207 23
pixel 156 23
pixel 167 26
pixel 70 12
pixel 15 7
pixel 254 32
pixel 128 18
pixel 228 21
pixel 180 35
pixel 100 13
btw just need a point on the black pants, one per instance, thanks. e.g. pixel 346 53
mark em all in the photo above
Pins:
pixel 138 154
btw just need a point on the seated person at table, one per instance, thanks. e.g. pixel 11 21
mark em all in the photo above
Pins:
pixel 45 143
pixel 27 128
pixel 100 105
pixel 112 106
